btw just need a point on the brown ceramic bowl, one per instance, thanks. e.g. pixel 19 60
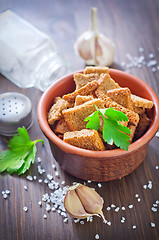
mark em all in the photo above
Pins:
pixel 102 165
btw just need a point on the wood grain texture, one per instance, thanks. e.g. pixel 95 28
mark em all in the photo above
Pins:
pixel 131 25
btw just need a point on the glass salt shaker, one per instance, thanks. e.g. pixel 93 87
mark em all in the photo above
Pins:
pixel 28 56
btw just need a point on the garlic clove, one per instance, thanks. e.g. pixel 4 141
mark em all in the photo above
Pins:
pixel 81 202
pixel 73 204
pixel 94 47
pixel 91 200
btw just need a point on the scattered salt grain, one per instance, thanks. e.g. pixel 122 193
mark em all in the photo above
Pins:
pixel 5 196
pixel 25 187
pixel 65 220
pixel 154 209
pixel 130 206
pixel 76 220
pixel 53 166
pixel 150 185
pixel 157 167
pixel 157 134
pixel 49 176
pixel 46 181
pixel 34 177
pixel 152 224
pixel 139 199
pixel 40 203
pixel 109 223
pixel 81 222
pixel 97 236
pixel 40 180
pixel 57 174
pixel 89 181
pixel 123 208
pixel 45 216
pixel 151 55
pixel 108 208
pixel 134 227
pixel 145 186
pixel 117 209
pixel 25 209
pixel 112 205
pixel 39 160
pixel 7 192
pixel 53 209
pixel 30 178
pixel 99 185
pixel 136 195
pixel 63 182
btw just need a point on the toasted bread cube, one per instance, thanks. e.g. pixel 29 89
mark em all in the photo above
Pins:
pixel 122 96
pixel 82 99
pixel 138 110
pixel 98 70
pixel 106 83
pixel 86 138
pixel 75 116
pixel 61 126
pixel 55 112
pixel 142 126
pixel 141 102
pixel 82 79
pixel 84 91
pixel 132 129
pixel 132 116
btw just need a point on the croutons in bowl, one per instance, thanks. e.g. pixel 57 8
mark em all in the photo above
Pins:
pixel 83 152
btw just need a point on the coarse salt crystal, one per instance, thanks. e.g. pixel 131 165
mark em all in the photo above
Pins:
pixel 76 220
pixel 40 180
pixel 34 177
pixel 152 224
pixel 7 192
pixel 136 195
pixel 157 167
pixel 109 223
pixel 154 209
pixel 45 216
pixel 63 182
pixel 123 208
pixel 89 181
pixel 99 185
pixel 108 208
pixel 139 199
pixel 25 187
pixel 39 160
pixel 145 186
pixel 130 206
pixel 5 196
pixel 134 227
pixel 112 205
pixel 117 209
pixel 97 236
pixel 65 220
pixel 49 176
pixel 25 209
pixel 30 178
pixel 40 203
pixel 81 222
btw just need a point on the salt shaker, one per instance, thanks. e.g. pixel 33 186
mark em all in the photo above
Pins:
pixel 28 56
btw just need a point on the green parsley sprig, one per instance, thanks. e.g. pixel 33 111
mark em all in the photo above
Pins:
pixel 113 130
pixel 21 153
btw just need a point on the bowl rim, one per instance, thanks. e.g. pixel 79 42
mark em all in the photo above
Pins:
pixel 42 118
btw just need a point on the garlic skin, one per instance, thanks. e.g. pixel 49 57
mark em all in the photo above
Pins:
pixel 94 47
pixel 81 202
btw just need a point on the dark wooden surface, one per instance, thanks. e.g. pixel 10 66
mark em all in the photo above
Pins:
pixel 131 25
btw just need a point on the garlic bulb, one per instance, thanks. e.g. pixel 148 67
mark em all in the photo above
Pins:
pixel 94 47
pixel 81 202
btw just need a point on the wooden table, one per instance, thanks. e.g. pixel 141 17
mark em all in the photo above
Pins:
pixel 132 25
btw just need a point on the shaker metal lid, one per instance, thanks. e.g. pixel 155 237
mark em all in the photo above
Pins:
pixel 15 111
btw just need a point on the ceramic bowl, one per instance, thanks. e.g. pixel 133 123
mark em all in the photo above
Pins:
pixel 98 165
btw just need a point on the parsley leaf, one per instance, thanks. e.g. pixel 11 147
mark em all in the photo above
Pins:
pixel 21 153
pixel 113 130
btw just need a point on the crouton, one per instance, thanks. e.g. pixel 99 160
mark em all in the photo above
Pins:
pixel 106 83
pixel 84 91
pixel 132 116
pixel 82 99
pixel 86 138
pixel 61 126
pixel 55 112
pixel 141 102
pixel 122 96
pixel 132 129
pixel 82 79
pixel 138 110
pixel 75 116
pixel 142 126
pixel 98 70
